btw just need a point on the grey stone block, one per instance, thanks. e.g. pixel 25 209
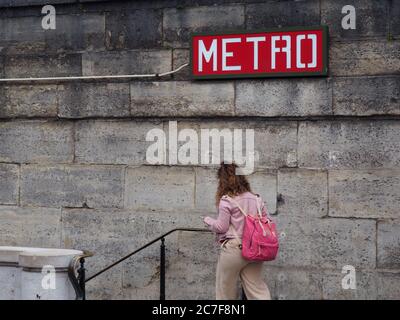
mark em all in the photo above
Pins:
pixel 134 29
pixel 23 3
pixel 388 286
pixel 303 193
pixel 106 233
pixel 180 126
pixel 181 98
pixel 2 66
pixel 293 284
pixel 206 188
pixel 199 247
pixel 325 242
pixel 366 96
pixel 292 252
pixel 79 100
pixel 261 182
pixel 292 97
pixel 339 242
pixel 107 286
pixel 126 62
pixel 77 32
pixel 31 227
pixel 388 244
pixel 274 14
pixel 143 272
pixel 28 101
pixel 371 18
pixel 174 185
pixel 107 5
pixel 275 142
pixel 151 292
pixel 112 142
pixel 264 183
pixel 34 11
pixel 25 32
pixel 111 233
pixel 364 194
pixel 179 23
pixel 191 280
pixel 193 268
pixel 9 176
pixel 366 285
pixel 179 58
pixel 72 186
pixel 394 12
pixel 26 66
pixel 72 33
pixel 36 141
pixel 349 144
pixel 372 57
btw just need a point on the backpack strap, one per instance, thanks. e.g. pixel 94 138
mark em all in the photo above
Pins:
pixel 240 208
pixel 245 214
pixel 258 206
pixel 237 204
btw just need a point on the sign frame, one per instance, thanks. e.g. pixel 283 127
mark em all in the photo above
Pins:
pixel 325 55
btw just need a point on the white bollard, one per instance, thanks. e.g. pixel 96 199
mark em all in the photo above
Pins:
pixel 44 274
pixel 35 273
pixel 10 273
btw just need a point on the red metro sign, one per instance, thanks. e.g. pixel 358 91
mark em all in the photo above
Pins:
pixel 281 52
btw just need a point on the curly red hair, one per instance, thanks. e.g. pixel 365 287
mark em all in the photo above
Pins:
pixel 229 183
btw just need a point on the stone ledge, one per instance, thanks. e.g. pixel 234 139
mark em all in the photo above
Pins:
pixel 26 3
pixel 37 257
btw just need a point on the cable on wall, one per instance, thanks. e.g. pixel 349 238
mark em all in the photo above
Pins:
pixel 122 76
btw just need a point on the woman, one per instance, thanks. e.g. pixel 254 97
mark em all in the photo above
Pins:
pixel 234 191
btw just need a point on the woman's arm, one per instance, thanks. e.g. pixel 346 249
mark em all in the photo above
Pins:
pixel 221 224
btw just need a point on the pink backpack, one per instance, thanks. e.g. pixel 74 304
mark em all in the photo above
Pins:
pixel 259 239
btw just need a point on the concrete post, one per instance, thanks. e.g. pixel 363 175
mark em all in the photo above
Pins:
pixel 10 273
pixel 35 273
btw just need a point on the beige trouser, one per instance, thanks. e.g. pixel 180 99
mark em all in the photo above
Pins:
pixel 232 265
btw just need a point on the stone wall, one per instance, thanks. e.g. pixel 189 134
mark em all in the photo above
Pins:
pixel 73 171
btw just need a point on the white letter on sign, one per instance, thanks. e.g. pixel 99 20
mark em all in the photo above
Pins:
pixel 313 38
pixel 228 54
pixel 207 54
pixel 255 41
pixel 313 63
pixel 286 49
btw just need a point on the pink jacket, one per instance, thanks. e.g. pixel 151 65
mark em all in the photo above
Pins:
pixel 229 214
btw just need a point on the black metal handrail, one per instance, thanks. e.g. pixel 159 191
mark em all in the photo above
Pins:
pixel 77 274
pixel 80 281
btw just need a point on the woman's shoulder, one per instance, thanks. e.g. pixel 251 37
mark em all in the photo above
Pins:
pixel 226 199
pixel 225 202
pixel 248 195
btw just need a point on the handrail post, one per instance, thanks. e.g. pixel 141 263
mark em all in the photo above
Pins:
pixel 81 277
pixel 162 269
pixel 243 295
